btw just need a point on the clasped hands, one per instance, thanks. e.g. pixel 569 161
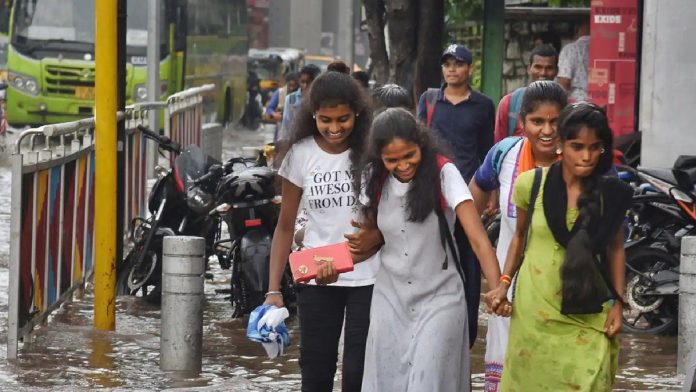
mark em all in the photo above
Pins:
pixel 497 302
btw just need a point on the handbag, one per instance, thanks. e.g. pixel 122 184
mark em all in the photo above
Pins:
pixel 305 264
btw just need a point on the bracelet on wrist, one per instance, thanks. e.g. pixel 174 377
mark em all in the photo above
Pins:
pixel 273 293
pixel 505 278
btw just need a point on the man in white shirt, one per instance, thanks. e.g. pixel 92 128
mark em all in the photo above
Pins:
pixel 572 64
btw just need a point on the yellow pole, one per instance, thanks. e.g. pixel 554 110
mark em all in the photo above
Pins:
pixel 105 169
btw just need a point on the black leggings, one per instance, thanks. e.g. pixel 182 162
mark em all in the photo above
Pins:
pixel 321 313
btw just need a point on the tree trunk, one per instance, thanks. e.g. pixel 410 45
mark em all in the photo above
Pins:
pixel 403 29
pixel 428 73
pixel 379 60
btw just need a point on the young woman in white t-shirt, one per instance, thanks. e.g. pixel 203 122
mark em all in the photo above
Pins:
pixel 325 147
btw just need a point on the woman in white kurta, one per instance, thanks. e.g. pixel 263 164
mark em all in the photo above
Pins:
pixel 418 337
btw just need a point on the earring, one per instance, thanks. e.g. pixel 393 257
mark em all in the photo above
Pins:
pixel 314 116
pixel 601 151
pixel 558 151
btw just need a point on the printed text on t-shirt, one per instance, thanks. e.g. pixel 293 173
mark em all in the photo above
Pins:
pixel 331 189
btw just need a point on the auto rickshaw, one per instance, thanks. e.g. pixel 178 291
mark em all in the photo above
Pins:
pixel 271 65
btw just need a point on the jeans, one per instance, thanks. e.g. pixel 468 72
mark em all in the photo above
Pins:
pixel 472 274
pixel 322 310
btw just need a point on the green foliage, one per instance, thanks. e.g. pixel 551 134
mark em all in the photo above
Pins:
pixel 475 80
pixel 459 11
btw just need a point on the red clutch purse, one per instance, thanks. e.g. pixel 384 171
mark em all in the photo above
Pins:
pixel 305 263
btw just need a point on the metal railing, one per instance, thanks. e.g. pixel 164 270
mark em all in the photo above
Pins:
pixel 52 229
pixel 183 116
pixel 52 204
pixel 136 157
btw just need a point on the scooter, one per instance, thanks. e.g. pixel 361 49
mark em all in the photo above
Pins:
pixel 658 219
pixel 248 205
pixel 179 204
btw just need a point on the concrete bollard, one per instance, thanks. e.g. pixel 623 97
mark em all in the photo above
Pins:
pixel 687 310
pixel 183 268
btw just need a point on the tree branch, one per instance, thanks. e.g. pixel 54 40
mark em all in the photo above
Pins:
pixel 379 64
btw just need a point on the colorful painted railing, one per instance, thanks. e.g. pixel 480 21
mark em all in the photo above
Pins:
pixel 136 159
pixel 183 116
pixel 52 203
pixel 52 225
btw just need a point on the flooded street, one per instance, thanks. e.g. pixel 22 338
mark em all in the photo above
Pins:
pixel 69 355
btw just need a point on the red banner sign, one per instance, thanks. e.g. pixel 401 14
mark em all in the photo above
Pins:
pixel 612 65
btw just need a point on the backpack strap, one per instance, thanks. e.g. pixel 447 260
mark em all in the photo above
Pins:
pixel 431 95
pixel 502 149
pixel 445 233
pixel 514 109
pixel 530 212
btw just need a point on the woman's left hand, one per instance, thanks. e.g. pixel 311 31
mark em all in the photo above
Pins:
pixel 326 274
pixel 614 320
pixel 365 242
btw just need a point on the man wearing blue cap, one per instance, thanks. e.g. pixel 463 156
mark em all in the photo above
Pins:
pixel 463 119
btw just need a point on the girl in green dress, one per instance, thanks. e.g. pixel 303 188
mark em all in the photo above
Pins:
pixel 567 303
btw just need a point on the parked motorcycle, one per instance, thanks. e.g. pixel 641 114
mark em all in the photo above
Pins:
pixel 247 203
pixel 179 204
pixel 662 213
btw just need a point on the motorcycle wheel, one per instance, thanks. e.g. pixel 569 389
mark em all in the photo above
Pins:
pixel 139 275
pixel 123 271
pixel 127 285
pixel 648 314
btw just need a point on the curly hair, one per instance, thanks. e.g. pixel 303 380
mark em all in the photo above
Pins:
pixel 330 90
pixel 423 196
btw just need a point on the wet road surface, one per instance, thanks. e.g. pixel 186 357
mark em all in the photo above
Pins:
pixel 69 355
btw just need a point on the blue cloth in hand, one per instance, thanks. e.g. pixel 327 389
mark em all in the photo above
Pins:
pixel 267 326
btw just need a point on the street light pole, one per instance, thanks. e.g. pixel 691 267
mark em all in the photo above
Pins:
pixel 154 18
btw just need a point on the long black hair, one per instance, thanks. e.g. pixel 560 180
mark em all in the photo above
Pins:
pixel 540 92
pixel 578 274
pixel 330 90
pixel 423 196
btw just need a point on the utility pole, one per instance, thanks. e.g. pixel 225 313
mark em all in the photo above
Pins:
pixel 105 181
pixel 154 17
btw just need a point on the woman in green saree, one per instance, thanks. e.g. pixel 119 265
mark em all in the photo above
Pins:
pixel 567 303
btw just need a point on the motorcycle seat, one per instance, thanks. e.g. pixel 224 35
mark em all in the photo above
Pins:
pixel 684 171
pixel 665 175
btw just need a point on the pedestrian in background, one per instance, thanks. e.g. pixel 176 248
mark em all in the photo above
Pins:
pixel 293 101
pixel 275 106
pixel 418 339
pixel 463 120
pixel 363 78
pixel 391 96
pixel 325 147
pixel 542 66
pixel 567 301
pixel 541 106
pixel 338 66
pixel 573 62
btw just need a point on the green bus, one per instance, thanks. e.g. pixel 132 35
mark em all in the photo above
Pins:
pixel 50 56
